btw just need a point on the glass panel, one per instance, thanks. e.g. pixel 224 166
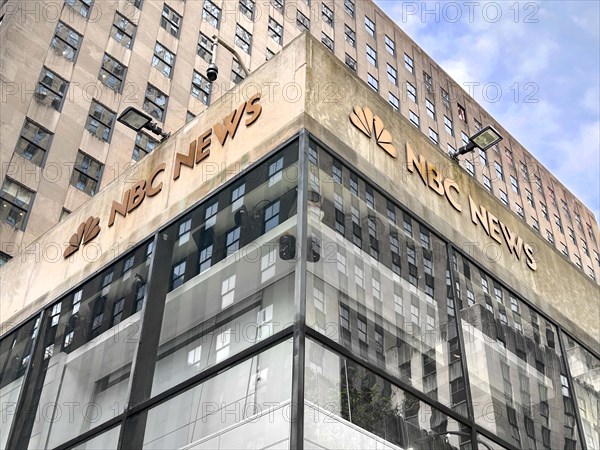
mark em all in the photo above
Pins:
pixel 347 406
pixel 88 350
pixel 484 443
pixel 231 273
pixel 377 290
pixel 585 370
pixel 15 354
pixel 517 372
pixel 247 406
pixel 108 439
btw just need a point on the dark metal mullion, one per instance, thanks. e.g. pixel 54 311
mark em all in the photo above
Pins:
pixel 299 344
pixel 572 389
pixel 461 342
pixel 32 373
pixel 146 353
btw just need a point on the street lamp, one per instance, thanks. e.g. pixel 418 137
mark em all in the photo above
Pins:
pixel 213 70
pixel 136 120
pixel 483 140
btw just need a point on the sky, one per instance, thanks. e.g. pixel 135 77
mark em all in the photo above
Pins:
pixel 537 65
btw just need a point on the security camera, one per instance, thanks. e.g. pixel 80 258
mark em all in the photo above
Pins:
pixel 212 72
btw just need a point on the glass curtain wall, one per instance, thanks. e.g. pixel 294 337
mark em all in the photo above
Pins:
pixel 185 340
pixel 518 377
pixel 585 370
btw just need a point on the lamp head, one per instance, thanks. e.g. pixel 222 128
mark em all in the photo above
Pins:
pixel 212 72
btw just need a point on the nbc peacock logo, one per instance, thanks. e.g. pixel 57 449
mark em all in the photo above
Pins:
pixel 372 126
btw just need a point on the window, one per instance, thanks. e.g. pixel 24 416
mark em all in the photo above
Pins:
pixel 470 167
pixel 451 150
pixel 243 39
pixel 394 101
pixel 544 210
pixel 4 258
pixel 529 197
pixel 504 197
pixel 112 73
pixel 445 97
pixel 302 21
pixel 390 45
pixel 100 121
pixel 81 6
pixel 373 82
pixel 370 26
pixel 413 118
pixel 349 7
pixel 163 60
pixel 178 275
pixel 515 186
pixel 344 317
pixel 550 236
pixel 538 183
pixel 122 30
pixel 155 103
pixel 520 210
pixel 350 36
pixel 211 13
pixel 409 63
pixel 327 14
pixel 350 62
pixel 144 144
pixel 448 126
pixel 51 89
pixel 183 234
pixel 204 49
pixel 430 109
pixel 535 224
pixel 411 91
pixel 33 143
pixel 428 81
pixel 247 8
pixel 499 171
pixel 462 114
pixel 559 223
pixel 278 5
pixel 275 31
pixel 483 157
pixel 577 260
pixel 66 41
pixel 433 136
pixel 477 124
pixel 487 183
pixel 392 74
pixel 275 171
pixel 327 41
pixel 232 241
pixel 354 185
pixel 237 73
pixel 272 216
pixel 86 173
pixel 170 21
pixel 201 88
pixel 584 246
pixel 117 314
pixel 371 55
pixel 16 201
pixel 336 171
pixel 369 197
pixel 572 235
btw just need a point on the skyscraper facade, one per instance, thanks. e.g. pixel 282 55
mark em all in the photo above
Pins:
pixel 80 63
pixel 297 273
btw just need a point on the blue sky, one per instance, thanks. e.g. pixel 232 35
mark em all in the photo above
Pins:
pixel 551 49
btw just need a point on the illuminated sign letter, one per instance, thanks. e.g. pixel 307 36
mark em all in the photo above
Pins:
pixel 120 208
pixel 230 124
pixel 412 162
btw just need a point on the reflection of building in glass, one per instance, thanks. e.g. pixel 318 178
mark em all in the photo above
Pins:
pixel 295 287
